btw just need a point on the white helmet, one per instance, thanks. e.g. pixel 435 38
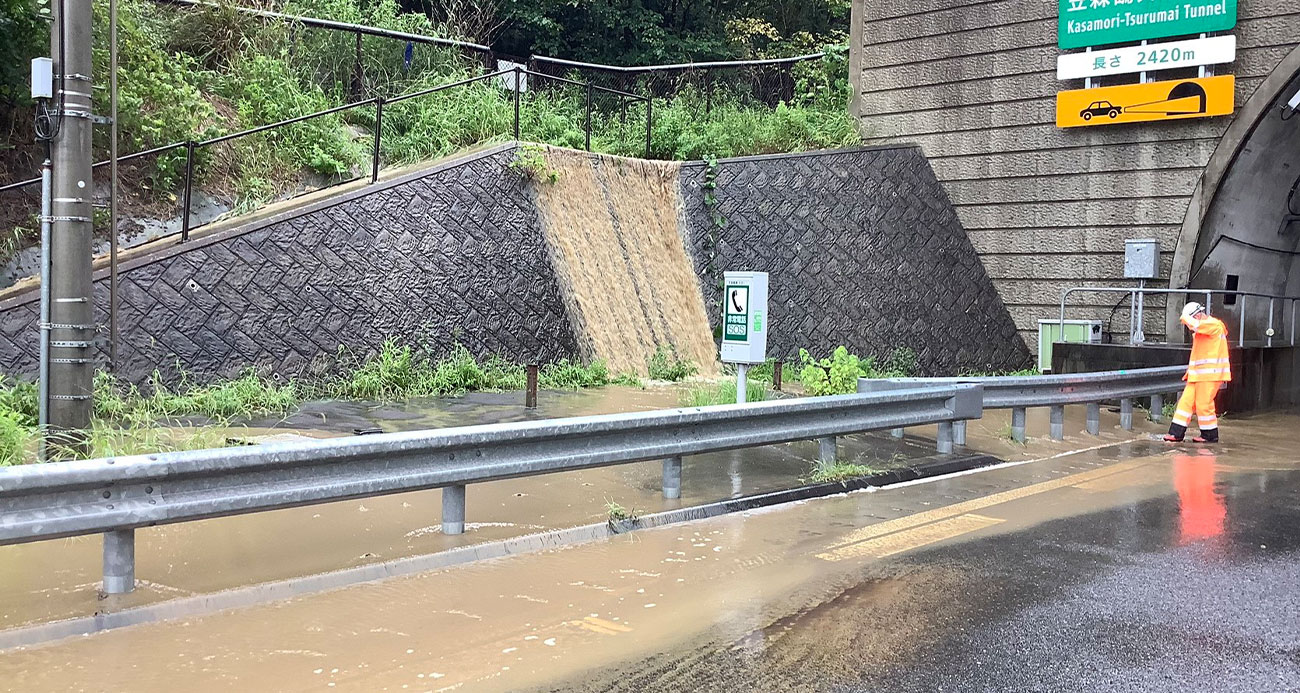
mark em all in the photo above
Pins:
pixel 1192 309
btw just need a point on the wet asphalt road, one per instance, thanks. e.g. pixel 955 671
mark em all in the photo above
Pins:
pixel 1196 590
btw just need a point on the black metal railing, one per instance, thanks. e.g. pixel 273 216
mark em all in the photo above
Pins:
pixel 193 149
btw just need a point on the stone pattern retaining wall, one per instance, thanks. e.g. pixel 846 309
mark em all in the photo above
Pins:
pixel 863 249
pixel 453 254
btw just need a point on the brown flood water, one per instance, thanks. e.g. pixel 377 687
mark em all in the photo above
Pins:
pixel 59 579
pixel 741 583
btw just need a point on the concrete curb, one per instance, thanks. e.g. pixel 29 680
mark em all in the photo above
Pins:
pixel 264 593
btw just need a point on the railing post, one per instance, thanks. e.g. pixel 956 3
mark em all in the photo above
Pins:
pixel 826 449
pixel 649 122
pixel 943 443
pixel 1126 414
pixel 672 481
pixel 1094 418
pixel 119 561
pixel 1157 408
pixel 959 432
pixel 1293 322
pixel 189 185
pixel 518 83
pixel 1058 422
pixel 588 125
pixel 1018 424
pixel 530 388
pixel 1241 324
pixel 776 375
pixel 1269 333
pixel 898 432
pixel 379 128
pixel 453 509
pixel 708 92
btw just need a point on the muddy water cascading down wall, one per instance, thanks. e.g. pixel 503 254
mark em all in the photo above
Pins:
pixel 627 281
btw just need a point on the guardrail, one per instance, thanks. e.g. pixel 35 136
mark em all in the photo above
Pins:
pixel 116 496
pixel 1137 307
pixel 1019 393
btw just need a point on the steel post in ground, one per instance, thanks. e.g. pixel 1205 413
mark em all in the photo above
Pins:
pixel 1018 416
pixel 943 443
pixel 530 389
pixel 742 383
pixel 1058 422
pixel 518 87
pixel 826 449
pixel 776 376
pixel 898 432
pixel 1094 418
pixel 119 561
pixel 379 128
pixel 959 432
pixel 672 480
pixel 588 121
pixel 649 122
pixel 1126 414
pixel 453 509
pixel 1157 408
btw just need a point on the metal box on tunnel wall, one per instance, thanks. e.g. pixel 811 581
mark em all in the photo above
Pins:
pixel 1141 258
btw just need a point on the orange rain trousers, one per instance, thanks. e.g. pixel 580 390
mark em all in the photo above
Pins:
pixel 1198 400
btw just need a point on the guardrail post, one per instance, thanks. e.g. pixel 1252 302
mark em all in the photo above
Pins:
pixel 119 561
pixel 530 389
pixel 1018 416
pixel 944 441
pixel 453 509
pixel 826 449
pixel 1126 414
pixel 959 432
pixel 672 482
pixel 1058 422
pixel 1094 418
pixel 898 432
pixel 1157 408
pixel 379 127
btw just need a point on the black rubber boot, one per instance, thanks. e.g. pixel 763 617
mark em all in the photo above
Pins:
pixel 1176 433
pixel 1210 436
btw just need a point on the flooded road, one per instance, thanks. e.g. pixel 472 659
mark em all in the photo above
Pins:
pixel 1134 566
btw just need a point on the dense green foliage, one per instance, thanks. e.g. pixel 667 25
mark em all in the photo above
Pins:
pixel 839 373
pixel 664 364
pixel 195 74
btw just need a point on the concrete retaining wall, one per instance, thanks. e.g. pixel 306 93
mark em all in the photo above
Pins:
pixel 863 246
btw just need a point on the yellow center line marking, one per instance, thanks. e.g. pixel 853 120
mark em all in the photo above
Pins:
pixel 973 522
pixel 909 539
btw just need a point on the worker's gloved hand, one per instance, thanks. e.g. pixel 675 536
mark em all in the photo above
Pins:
pixel 1191 309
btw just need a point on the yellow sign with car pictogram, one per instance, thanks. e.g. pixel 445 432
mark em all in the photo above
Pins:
pixel 1153 101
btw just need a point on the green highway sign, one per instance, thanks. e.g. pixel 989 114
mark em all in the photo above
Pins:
pixel 1085 23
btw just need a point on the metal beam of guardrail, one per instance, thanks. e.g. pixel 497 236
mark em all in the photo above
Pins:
pixel 1018 393
pixel 117 495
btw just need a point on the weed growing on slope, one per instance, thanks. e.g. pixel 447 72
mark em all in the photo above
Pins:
pixel 665 365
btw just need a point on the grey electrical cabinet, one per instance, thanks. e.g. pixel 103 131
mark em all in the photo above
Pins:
pixel 1141 258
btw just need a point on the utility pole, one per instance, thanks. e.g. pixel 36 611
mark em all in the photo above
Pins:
pixel 71 327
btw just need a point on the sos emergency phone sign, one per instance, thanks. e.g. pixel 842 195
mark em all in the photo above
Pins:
pixel 744 317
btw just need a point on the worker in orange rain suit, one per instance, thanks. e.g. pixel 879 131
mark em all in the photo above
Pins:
pixel 1206 374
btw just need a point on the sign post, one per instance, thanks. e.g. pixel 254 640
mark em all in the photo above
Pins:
pixel 744 324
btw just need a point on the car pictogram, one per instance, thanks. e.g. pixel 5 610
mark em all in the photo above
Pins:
pixel 1100 108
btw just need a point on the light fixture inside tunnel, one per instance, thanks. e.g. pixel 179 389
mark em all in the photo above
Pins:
pixel 1289 110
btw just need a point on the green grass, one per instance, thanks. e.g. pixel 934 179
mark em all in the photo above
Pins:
pixel 617 513
pixel 723 393
pixel 247 395
pixel 999 374
pixel 665 365
pixel 823 472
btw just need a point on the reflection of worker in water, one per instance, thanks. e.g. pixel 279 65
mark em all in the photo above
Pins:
pixel 1201 510
pixel 1207 372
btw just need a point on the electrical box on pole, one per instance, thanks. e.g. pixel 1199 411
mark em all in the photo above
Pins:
pixel 42 78
pixel 744 323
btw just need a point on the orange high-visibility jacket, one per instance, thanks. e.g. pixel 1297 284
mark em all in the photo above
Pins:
pixel 1209 362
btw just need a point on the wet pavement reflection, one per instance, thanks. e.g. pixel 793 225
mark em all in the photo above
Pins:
pixel 1130 567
